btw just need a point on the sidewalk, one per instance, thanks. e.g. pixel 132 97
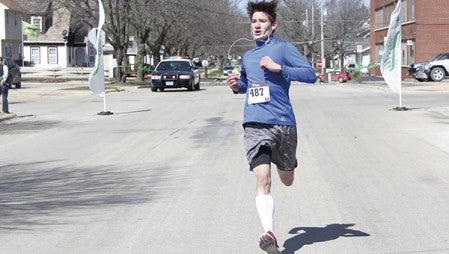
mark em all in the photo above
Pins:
pixel 408 84
pixel 6 116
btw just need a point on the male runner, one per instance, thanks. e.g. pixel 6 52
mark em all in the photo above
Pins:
pixel 269 122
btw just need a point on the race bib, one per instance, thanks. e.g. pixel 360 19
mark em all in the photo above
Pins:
pixel 258 93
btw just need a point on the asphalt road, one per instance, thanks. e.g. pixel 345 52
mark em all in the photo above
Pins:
pixel 166 173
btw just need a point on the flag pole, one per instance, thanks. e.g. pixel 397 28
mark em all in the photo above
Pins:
pixel 96 77
pixel 391 63
pixel 104 112
pixel 104 103
pixel 400 108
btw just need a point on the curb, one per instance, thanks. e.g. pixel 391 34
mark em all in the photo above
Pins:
pixel 4 117
pixel 114 89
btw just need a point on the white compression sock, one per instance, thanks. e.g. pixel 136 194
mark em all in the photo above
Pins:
pixel 265 208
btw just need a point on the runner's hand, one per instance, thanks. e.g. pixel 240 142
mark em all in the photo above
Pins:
pixel 267 63
pixel 233 82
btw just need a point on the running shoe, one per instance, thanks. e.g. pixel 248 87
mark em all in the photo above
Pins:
pixel 268 243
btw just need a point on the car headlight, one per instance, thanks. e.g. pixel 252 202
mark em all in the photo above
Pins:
pixel 155 77
pixel 184 76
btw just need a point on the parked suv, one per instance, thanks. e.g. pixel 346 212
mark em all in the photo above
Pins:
pixel 175 73
pixel 15 76
pixel 436 69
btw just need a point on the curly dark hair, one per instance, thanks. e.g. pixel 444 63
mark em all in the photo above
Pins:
pixel 269 8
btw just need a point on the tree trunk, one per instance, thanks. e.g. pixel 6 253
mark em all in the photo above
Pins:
pixel 140 60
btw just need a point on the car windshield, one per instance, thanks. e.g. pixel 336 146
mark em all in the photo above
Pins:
pixel 443 57
pixel 173 66
pixel 437 57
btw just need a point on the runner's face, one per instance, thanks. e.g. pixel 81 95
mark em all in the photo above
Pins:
pixel 261 26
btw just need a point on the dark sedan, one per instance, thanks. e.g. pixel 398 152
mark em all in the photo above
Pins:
pixel 175 73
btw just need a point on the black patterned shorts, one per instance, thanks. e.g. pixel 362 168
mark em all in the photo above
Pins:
pixel 281 139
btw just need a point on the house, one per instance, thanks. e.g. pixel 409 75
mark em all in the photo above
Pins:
pixel 359 58
pixel 424 30
pixel 11 15
pixel 62 41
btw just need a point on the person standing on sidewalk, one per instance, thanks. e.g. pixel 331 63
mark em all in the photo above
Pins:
pixel 4 73
pixel 270 134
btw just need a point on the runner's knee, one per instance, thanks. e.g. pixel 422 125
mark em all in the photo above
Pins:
pixel 287 177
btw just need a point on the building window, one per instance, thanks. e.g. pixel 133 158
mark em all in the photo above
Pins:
pixel 379 52
pixel 92 53
pixel 7 50
pixel 388 10
pixel 405 56
pixel 36 21
pixel 52 55
pixel 412 9
pixel 410 51
pixel 35 55
pixel 379 18
pixel 404 11
pixel 383 15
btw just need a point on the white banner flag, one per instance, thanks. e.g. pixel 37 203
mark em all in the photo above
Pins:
pixel 390 65
pixel 96 77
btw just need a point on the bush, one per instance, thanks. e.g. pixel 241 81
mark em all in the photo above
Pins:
pixel 356 75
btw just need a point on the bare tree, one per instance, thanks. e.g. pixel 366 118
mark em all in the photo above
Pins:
pixel 144 16
pixel 300 22
pixel 344 23
pixel 195 28
pixel 116 27
pixel 343 20
pixel 181 27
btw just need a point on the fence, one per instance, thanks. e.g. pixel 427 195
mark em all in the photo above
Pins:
pixel 52 74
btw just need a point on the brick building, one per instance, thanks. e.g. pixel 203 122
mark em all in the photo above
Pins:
pixel 424 30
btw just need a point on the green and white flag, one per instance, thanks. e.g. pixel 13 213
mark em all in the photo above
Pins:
pixel 28 29
pixel 390 65
pixel 96 77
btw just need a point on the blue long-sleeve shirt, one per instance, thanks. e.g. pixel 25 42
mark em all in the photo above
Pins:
pixel 277 111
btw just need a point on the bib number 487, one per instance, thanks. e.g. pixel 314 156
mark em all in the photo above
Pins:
pixel 258 94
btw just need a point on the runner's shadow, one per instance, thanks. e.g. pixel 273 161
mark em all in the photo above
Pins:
pixel 310 235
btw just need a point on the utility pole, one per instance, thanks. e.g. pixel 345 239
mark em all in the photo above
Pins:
pixel 307 22
pixel 313 30
pixel 22 50
pixel 323 60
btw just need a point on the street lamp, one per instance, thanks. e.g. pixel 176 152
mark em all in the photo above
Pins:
pixel 65 37
pixel 161 52
pixel 22 51
pixel 323 60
